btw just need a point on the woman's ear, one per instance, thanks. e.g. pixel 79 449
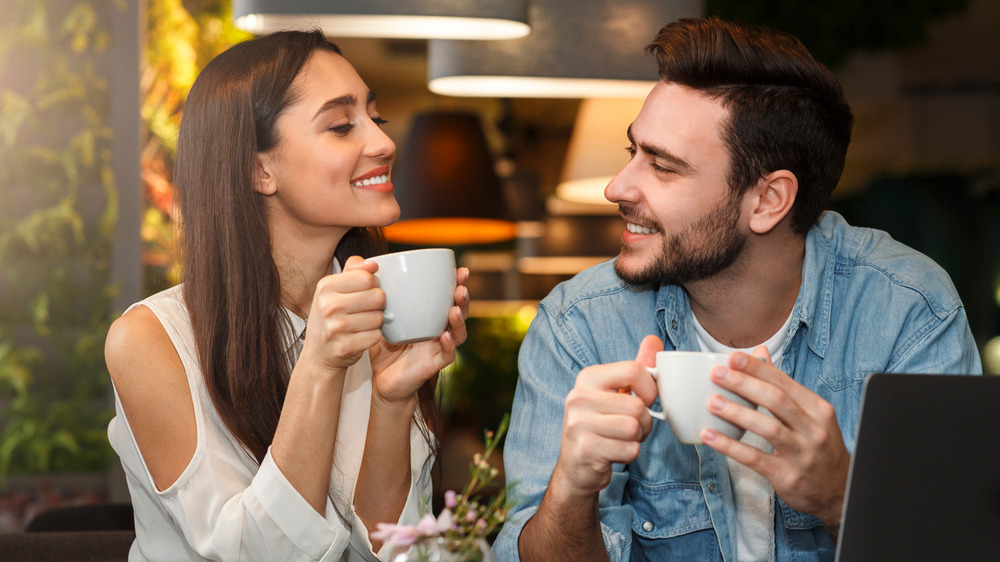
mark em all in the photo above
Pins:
pixel 775 196
pixel 264 181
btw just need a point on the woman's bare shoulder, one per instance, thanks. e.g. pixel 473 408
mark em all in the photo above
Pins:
pixel 152 386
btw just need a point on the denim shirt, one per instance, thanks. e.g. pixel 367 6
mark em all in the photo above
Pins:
pixel 866 304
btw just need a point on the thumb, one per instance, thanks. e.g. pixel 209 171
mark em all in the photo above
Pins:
pixel 761 353
pixel 357 262
pixel 647 351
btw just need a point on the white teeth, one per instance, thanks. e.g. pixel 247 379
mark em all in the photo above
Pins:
pixel 372 181
pixel 636 229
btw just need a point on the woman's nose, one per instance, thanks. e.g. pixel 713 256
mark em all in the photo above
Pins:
pixel 379 145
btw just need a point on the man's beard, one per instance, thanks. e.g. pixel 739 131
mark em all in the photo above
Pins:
pixel 702 250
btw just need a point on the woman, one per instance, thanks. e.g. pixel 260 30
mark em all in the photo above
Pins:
pixel 244 435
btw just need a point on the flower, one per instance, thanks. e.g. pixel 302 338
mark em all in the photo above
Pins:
pixel 464 521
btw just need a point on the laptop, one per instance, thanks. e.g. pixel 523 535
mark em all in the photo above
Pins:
pixel 924 481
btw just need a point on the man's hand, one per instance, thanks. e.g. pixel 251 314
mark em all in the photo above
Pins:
pixel 809 465
pixel 603 422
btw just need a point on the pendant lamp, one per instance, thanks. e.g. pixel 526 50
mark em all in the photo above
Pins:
pixel 416 19
pixel 446 185
pixel 576 49
pixel 596 151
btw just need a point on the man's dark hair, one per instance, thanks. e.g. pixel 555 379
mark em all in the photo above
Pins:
pixel 786 110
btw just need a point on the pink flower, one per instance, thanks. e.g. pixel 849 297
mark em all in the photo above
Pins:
pixel 427 526
pixel 399 535
pixel 445 520
pixel 450 499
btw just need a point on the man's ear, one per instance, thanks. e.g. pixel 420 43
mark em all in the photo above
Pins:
pixel 774 196
pixel 264 181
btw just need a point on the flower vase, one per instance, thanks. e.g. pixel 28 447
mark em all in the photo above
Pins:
pixel 441 549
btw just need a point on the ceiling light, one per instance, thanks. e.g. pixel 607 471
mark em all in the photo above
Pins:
pixel 414 19
pixel 576 49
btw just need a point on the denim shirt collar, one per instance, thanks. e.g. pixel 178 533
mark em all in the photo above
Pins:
pixel 812 305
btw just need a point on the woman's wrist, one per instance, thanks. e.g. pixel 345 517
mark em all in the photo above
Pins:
pixel 393 409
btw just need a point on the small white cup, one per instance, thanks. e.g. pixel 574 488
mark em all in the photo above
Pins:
pixel 684 381
pixel 419 290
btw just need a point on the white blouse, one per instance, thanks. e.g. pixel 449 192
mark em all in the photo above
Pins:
pixel 226 507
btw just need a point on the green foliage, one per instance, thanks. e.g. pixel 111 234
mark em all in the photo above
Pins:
pixel 478 389
pixel 58 213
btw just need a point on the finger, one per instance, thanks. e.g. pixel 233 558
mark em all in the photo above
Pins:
pixel 462 276
pixel 761 353
pixel 586 404
pixel 768 373
pixel 348 281
pixel 456 325
pixel 462 299
pixel 648 349
pixel 353 343
pixel 776 399
pixel 764 464
pixel 768 427
pixel 611 377
pixel 357 262
pixel 329 302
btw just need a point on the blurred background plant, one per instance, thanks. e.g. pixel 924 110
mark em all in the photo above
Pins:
pixel 181 37
pixel 58 211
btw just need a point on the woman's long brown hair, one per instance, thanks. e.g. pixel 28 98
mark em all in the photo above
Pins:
pixel 231 283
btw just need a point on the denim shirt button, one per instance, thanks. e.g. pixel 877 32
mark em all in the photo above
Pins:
pixel 712 488
pixel 647 526
pixel 673 324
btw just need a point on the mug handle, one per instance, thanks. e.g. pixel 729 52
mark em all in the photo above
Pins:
pixel 658 415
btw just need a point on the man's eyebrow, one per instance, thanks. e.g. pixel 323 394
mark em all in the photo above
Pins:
pixel 346 99
pixel 677 162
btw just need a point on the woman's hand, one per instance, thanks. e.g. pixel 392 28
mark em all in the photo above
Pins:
pixel 400 370
pixel 346 316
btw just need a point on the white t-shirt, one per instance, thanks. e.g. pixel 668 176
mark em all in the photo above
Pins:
pixel 752 493
pixel 226 507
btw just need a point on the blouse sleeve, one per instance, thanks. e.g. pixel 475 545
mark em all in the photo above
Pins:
pixel 226 514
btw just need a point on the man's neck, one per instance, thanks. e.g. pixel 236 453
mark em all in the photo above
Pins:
pixel 746 304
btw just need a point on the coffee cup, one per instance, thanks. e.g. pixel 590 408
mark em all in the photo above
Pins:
pixel 419 290
pixel 683 379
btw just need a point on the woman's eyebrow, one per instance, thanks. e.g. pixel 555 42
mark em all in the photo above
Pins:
pixel 340 101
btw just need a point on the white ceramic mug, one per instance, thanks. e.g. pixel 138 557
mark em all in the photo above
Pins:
pixel 683 379
pixel 419 290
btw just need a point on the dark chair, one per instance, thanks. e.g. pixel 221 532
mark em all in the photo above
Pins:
pixel 88 517
pixel 66 546
pixel 77 533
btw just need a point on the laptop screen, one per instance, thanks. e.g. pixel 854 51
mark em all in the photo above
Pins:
pixel 924 482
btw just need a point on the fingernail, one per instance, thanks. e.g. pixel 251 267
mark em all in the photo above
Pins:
pixel 709 435
pixel 720 372
pixel 716 403
pixel 459 309
pixel 740 361
pixel 447 336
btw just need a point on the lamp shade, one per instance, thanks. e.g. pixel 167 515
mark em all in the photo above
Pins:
pixel 596 149
pixel 446 185
pixel 576 49
pixel 418 19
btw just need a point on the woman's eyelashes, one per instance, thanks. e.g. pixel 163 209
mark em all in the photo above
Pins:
pixel 348 127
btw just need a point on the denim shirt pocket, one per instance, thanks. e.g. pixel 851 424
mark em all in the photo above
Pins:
pixel 796 519
pixel 664 511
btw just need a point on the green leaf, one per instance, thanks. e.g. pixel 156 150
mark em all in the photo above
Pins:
pixel 14 111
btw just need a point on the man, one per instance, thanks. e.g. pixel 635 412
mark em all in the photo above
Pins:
pixel 734 156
